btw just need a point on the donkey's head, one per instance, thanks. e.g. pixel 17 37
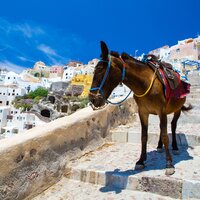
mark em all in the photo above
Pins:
pixel 107 75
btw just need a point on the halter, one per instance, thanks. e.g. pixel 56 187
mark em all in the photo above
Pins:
pixel 99 89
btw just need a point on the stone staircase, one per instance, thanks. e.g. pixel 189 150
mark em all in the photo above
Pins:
pixel 108 172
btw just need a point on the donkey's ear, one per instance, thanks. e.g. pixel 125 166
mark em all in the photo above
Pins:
pixel 104 50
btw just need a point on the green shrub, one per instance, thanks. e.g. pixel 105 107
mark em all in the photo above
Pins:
pixel 42 92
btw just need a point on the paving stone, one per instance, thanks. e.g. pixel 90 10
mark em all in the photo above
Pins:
pixel 68 189
pixel 191 189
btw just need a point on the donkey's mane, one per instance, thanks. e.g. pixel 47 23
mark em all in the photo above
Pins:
pixel 115 54
pixel 125 56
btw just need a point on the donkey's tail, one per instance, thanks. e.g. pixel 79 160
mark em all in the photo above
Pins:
pixel 185 109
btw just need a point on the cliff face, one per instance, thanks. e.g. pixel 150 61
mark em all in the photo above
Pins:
pixel 33 161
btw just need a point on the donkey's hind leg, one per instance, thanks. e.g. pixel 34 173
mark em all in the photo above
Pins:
pixel 164 136
pixel 173 129
pixel 160 144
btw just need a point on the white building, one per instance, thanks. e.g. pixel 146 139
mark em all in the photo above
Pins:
pixel 4 112
pixel 164 54
pixel 3 73
pixel 13 121
pixel 11 78
pixel 92 63
pixel 69 73
pixel 76 68
pixel 120 91
pixel 9 92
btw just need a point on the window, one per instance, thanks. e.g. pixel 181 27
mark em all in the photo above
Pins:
pixel 8 77
pixel 7 103
pixel 177 50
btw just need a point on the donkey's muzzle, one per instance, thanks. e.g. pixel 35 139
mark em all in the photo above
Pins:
pixel 96 100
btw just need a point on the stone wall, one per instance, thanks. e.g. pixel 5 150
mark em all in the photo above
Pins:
pixel 32 162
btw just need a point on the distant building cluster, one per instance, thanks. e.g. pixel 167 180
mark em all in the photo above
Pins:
pixel 54 78
pixel 180 54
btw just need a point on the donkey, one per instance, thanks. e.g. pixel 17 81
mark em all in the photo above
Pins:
pixel 113 69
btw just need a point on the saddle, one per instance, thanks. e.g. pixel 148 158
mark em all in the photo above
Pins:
pixel 164 69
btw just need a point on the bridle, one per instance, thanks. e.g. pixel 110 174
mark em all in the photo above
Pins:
pixel 100 90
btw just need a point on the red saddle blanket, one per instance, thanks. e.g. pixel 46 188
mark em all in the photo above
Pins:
pixel 180 92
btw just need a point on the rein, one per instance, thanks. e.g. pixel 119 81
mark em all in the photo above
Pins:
pixel 99 89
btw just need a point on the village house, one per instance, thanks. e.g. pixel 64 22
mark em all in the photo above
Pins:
pixel 9 92
pixel 186 49
pixel 13 121
pixel 56 71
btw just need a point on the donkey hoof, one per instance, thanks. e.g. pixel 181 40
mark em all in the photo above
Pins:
pixel 169 168
pixel 176 152
pixel 159 150
pixel 170 171
pixel 139 166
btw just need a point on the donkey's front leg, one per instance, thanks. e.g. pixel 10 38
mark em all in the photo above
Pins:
pixel 144 125
pixel 163 128
pixel 160 145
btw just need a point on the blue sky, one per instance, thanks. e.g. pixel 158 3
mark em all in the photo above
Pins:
pixel 56 32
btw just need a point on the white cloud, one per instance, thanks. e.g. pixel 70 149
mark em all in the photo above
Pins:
pixel 47 50
pixel 28 30
pixel 52 55
pixel 28 41
pixel 25 59
pixel 11 66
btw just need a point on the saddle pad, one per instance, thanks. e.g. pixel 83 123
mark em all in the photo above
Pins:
pixel 180 91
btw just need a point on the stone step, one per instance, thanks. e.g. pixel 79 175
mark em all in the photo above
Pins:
pixel 68 189
pixel 153 138
pixel 188 127
pixel 194 93
pixel 112 166
pixel 193 101
pixel 185 118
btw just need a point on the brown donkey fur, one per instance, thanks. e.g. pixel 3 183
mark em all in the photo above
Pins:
pixel 138 77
